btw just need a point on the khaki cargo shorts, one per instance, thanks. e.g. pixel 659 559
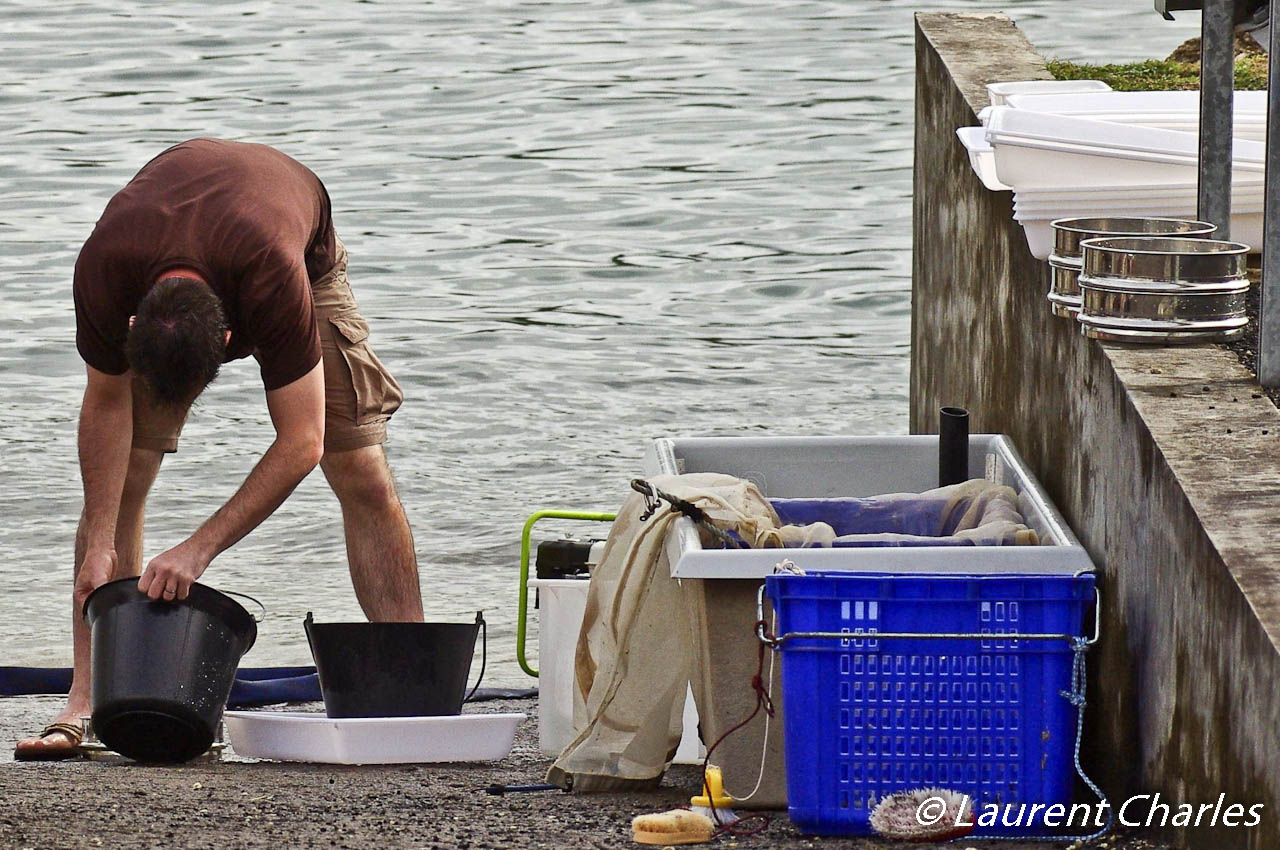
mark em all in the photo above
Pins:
pixel 359 393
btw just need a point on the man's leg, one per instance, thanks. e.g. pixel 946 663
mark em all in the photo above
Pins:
pixel 384 567
pixel 143 466
pixel 360 396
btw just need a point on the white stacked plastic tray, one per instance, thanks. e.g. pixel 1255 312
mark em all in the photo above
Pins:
pixel 310 737
pixel 981 154
pixel 1036 210
pixel 1063 165
pixel 1016 146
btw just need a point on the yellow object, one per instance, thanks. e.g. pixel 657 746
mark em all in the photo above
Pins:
pixel 678 826
pixel 712 791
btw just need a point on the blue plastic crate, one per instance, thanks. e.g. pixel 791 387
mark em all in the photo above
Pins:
pixel 866 716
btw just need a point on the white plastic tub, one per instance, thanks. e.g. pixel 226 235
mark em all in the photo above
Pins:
pixel 309 737
pixel 982 159
pixel 561 605
pixel 1038 149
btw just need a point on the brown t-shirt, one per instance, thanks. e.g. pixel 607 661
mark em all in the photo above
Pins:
pixel 257 226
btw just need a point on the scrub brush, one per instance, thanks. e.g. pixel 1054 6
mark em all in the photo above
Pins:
pixel 713 802
pixel 678 826
pixel 925 815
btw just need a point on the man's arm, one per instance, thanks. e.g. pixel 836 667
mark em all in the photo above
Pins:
pixel 105 435
pixel 297 411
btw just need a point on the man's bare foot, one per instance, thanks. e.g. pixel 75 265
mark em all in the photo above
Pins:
pixel 59 740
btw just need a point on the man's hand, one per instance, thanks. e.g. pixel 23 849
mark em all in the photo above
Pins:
pixel 96 569
pixel 297 411
pixel 170 574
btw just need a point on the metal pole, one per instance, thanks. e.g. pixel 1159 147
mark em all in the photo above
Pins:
pixel 1269 311
pixel 1217 66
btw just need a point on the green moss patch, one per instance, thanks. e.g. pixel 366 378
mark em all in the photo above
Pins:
pixel 1160 74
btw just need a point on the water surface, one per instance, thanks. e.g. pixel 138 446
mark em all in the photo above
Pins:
pixel 574 227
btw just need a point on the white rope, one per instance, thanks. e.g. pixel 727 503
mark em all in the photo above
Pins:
pixel 785 566
pixel 1075 696
pixel 764 744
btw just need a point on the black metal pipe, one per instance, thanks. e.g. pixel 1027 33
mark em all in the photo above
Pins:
pixel 953 446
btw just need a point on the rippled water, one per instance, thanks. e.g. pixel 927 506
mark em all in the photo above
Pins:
pixel 574 227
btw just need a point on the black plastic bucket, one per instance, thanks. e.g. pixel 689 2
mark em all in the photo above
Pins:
pixel 392 669
pixel 162 671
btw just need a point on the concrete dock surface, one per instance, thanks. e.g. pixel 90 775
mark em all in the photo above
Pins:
pixel 242 803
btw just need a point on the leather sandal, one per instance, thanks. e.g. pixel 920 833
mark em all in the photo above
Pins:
pixel 44 752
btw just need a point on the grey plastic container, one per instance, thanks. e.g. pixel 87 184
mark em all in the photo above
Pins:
pixel 814 467
pixel 721 585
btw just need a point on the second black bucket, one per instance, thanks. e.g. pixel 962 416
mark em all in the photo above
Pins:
pixel 392 669
pixel 162 671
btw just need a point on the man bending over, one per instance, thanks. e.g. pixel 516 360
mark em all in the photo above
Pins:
pixel 216 251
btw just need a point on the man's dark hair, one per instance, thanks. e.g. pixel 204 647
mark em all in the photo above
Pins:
pixel 178 339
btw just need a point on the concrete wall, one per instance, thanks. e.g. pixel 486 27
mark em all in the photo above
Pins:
pixel 1164 461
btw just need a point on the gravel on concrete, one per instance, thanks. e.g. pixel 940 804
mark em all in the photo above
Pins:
pixel 244 803
pixel 1246 347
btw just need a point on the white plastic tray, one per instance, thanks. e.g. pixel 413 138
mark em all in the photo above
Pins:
pixel 998 92
pixel 982 157
pixel 1005 124
pixel 1250 105
pixel 1038 149
pixel 310 737
pixel 1166 110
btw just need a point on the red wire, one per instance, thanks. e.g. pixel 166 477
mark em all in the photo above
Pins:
pixel 761 822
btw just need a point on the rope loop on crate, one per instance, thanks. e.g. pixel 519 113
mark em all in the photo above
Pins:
pixel 1079 684
pixel 1077 697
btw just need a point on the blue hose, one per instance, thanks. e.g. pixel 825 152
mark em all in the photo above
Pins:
pixel 253 686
